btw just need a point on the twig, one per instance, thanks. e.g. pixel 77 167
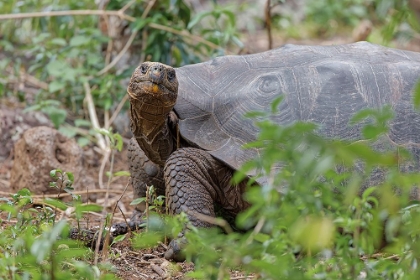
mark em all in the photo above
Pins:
pixel 67 194
pixel 183 33
pixel 107 237
pixel 93 116
pixel 120 54
pixel 144 37
pixel 66 13
pixel 158 270
pixel 256 230
pixel 163 245
pixel 116 205
pixel 102 168
pixel 118 109
pixel 29 79
pixel 43 203
pixel 129 41
pixel 126 6
pixel 268 23
pixel 211 220
pixel 118 13
pixel 147 207
pixel 106 123
pixel 148 8
pixel 102 6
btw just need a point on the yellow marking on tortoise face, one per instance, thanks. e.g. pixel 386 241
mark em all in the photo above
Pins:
pixel 155 88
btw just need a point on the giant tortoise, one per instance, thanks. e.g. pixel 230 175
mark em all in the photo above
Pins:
pixel 189 126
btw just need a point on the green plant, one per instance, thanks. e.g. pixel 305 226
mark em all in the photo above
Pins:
pixel 151 197
pixel 73 59
pixel 309 220
pixel 32 246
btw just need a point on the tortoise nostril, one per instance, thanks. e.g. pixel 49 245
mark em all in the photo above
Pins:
pixel 157 68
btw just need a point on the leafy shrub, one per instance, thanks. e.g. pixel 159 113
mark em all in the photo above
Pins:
pixel 69 55
pixel 32 246
pixel 311 222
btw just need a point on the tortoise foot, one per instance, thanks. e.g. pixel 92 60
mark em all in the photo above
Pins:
pixel 175 249
pixel 136 222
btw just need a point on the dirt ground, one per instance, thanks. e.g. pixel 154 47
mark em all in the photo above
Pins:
pixel 128 263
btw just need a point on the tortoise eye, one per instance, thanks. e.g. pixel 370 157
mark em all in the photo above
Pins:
pixel 143 69
pixel 171 75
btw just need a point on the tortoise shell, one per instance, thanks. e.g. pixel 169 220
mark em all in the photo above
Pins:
pixel 322 84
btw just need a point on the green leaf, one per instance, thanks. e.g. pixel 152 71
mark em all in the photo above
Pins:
pixel 416 96
pixel 138 201
pixel 56 203
pixel 122 173
pixel 70 176
pixel 83 141
pixel 198 18
pixel 40 249
pixel 24 192
pixel 231 16
pixel 119 141
pixel 82 123
pixel 140 23
pixel 79 40
pixel 368 192
pixel 262 237
pixel 275 104
pixel 89 208
pixel 56 68
pixel 68 131
pixel 362 115
pixel 59 41
pixel 255 114
pixel 56 85
pixel 118 238
pixel 57 115
pixel 57 230
pixel 35 107
pixel 53 173
pixel 145 240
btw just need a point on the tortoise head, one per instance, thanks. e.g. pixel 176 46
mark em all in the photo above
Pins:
pixel 154 82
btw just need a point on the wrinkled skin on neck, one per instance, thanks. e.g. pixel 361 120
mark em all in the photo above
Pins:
pixel 153 90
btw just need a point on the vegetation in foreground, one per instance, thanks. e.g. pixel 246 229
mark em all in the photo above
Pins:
pixel 309 222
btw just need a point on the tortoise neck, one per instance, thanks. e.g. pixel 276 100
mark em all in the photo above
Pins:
pixel 150 127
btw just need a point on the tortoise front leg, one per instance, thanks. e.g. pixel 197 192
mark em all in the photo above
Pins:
pixel 196 182
pixel 143 173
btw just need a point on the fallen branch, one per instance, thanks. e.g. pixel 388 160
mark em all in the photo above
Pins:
pixel 67 194
pixel 118 109
pixel 120 54
pixel 120 13
pixel 29 79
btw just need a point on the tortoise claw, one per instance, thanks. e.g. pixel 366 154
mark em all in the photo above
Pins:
pixel 175 249
pixel 135 223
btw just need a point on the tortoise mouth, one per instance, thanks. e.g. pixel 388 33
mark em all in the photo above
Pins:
pixel 142 88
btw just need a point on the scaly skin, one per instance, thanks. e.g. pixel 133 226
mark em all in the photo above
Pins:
pixel 153 91
pixel 143 173
pixel 194 181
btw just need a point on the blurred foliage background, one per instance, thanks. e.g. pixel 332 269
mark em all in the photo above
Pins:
pixel 49 56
